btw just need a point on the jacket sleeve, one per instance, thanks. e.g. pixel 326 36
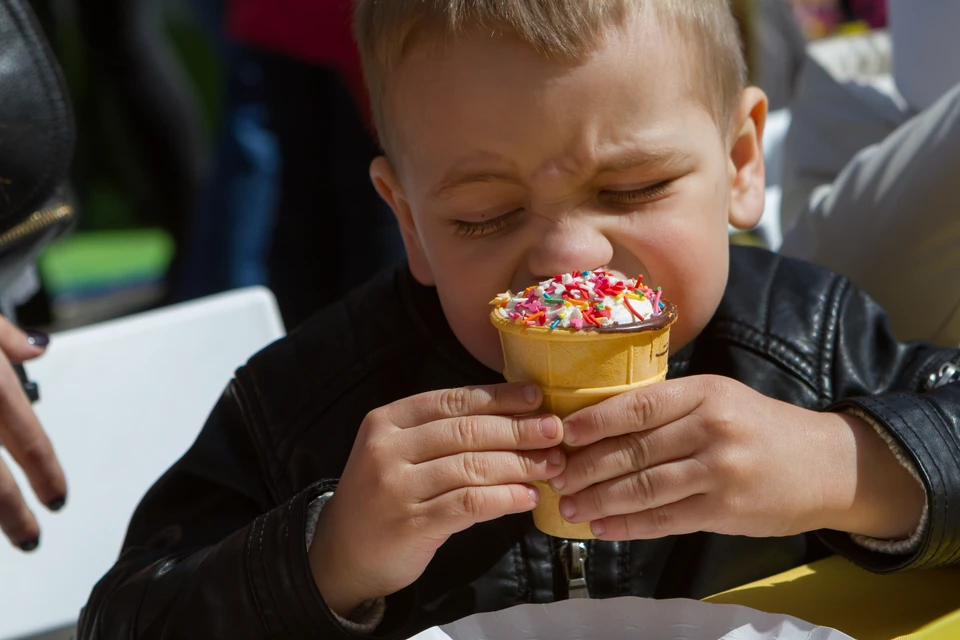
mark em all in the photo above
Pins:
pixel 873 373
pixel 210 554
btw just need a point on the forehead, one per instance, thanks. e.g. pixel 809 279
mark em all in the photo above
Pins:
pixel 495 95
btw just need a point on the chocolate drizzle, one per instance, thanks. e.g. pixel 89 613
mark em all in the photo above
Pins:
pixel 667 317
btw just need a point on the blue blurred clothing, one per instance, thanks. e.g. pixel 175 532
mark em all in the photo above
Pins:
pixel 290 200
pixel 232 229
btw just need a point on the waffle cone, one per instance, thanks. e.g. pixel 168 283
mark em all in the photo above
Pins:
pixel 577 369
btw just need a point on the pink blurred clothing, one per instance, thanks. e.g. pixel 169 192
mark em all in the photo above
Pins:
pixel 316 31
pixel 873 12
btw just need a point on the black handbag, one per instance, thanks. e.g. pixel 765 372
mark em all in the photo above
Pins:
pixel 37 135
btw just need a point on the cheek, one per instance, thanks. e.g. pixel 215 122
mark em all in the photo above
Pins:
pixel 465 293
pixel 468 274
pixel 697 277
pixel 689 257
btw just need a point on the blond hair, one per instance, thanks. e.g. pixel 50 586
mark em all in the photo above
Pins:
pixel 386 30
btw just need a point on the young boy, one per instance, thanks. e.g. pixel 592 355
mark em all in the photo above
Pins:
pixel 370 476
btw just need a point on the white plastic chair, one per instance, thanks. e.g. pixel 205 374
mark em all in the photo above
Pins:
pixel 122 401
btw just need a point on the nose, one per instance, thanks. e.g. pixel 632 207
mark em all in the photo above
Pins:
pixel 569 245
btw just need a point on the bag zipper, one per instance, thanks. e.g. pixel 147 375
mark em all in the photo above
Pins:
pixel 37 221
pixel 573 559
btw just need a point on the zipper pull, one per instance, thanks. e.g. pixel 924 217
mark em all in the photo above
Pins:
pixel 948 374
pixel 573 557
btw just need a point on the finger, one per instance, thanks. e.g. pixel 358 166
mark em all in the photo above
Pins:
pixel 19 345
pixel 16 520
pixel 444 438
pixel 640 410
pixel 679 518
pixel 21 433
pixel 438 477
pixel 459 510
pixel 615 457
pixel 496 400
pixel 636 492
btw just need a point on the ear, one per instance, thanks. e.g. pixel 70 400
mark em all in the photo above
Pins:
pixel 748 176
pixel 388 186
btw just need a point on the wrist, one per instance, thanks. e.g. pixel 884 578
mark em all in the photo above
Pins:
pixel 873 494
pixel 331 571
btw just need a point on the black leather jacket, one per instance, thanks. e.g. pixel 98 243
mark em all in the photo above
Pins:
pixel 217 547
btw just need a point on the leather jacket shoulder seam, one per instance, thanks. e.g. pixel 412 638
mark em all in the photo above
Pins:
pixel 265 446
pixel 769 347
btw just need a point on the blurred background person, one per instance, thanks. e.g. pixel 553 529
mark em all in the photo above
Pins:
pixel 870 166
pixel 291 203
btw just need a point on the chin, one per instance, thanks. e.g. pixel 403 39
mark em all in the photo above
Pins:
pixel 490 355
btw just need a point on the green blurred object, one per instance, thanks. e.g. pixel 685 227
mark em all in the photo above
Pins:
pixel 746 239
pixel 97 262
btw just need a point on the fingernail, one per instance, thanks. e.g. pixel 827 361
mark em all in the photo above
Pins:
pixel 534 495
pixel 569 436
pixel 554 458
pixel 30 545
pixel 531 393
pixel 597 528
pixel 567 508
pixel 37 338
pixel 558 483
pixel 548 427
pixel 56 504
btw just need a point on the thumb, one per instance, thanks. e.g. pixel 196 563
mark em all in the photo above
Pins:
pixel 20 345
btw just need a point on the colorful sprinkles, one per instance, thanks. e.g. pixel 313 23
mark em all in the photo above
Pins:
pixel 581 299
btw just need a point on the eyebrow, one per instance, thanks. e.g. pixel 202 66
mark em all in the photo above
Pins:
pixel 616 163
pixel 640 158
pixel 462 178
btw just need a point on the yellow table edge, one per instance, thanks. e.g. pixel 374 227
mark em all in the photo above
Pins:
pixel 922 605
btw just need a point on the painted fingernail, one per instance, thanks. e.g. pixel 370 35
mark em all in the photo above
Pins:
pixel 597 528
pixel 548 427
pixel 531 393
pixel 554 458
pixel 37 338
pixel 567 508
pixel 56 504
pixel 30 545
pixel 534 495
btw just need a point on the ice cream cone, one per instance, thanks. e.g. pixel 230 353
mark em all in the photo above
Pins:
pixel 577 369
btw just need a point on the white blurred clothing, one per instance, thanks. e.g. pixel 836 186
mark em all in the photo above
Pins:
pixel 926 64
pixel 871 188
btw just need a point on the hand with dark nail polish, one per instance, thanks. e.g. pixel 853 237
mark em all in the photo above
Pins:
pixel 23 436
pixel 37 338
pixel 30 545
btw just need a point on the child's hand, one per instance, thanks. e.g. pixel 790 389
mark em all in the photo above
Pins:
pixel 709 454
pixel 422 469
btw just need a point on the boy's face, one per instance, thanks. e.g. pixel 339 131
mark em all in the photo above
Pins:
pixel 510 168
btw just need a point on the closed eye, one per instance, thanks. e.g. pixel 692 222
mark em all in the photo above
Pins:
pixel 638 196
pixel 467 229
